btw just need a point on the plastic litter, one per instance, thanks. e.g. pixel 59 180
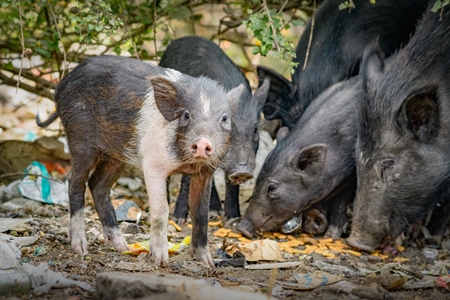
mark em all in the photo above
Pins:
pixel 315 279
pixel 430 252
pixel 41 188
pixel 126 210
pixel 143 247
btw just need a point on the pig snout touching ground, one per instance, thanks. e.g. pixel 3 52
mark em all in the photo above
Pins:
pixel 403 134
pixel 309 164
pixel 118 110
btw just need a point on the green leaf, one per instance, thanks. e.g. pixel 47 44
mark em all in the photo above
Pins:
pixel 437 5
pixel 44 52
pixel 255 50
pixel 343 6
pixel 297 22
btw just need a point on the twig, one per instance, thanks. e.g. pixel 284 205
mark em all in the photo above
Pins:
pixel 310 35
pixel 272 279
pixel 128 32
pixel 22 38
pixel 282 7
pixel 155 15
pixel 25 173
pixel 271 26
pixel 60 38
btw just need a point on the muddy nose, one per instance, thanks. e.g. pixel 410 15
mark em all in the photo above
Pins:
pixel 240 177
pixel 202 148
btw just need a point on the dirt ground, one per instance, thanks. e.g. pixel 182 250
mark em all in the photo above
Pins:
pixel 53 249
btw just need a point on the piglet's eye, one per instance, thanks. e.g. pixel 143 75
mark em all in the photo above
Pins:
pixel 186 116
pixel 225 118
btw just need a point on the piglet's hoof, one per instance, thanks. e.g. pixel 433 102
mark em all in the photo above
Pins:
pixel 203 255
pixel 78 242
pixel 160 256
pixel 114 236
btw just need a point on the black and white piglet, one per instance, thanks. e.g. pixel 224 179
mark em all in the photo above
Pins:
pixel 118 110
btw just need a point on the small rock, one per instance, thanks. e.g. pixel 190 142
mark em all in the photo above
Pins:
pixel 129 228
pixel 18 203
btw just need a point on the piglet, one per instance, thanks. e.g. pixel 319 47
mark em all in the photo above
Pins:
pixel 119 111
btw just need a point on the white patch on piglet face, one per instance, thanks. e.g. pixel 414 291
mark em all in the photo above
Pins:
pixel 205 104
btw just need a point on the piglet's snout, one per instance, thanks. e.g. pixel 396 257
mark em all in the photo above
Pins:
pixel 202 148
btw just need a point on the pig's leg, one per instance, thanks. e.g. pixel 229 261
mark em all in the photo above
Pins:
pixel 105 175
pixel 200 192
pixel 159 213
pixel 231 205
pixel 82 163
pixel 181 210
pixel 214 205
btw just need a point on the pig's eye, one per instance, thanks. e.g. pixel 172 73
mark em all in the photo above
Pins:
pixel 186 116
pixel 387 164
pixel 272 187
pixel 225 118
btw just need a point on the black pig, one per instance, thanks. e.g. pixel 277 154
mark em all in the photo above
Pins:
pixel 117 110
pixel 402 150
pixel 310 163
pixel 338 41
pixel 197 56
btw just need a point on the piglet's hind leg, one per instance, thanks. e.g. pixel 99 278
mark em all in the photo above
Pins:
pixel 106 173
pixel 82 163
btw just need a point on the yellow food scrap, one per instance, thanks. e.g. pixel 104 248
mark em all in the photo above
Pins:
pixel 354 253
pixel 401 259
pixel 222 232
pixel 178 228
pixel 295 243
pixel 279 235
pixel 215 223
pixel 234 235
pixel 244 240
pixel 268 236
pixel 311 241
pixel 291 237
pixel 400 248
pixel 189 226
pixel 326 241
pixel 292 250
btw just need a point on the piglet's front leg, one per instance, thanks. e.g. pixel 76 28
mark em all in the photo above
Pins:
pixel 159 213
pixel 200 192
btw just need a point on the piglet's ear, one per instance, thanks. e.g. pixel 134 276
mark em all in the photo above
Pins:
pixel 311 160
pixel 261 94
pixel 421 113
pixel 282 133
pixel 234 97
pixel 280 92
pixel 372 65
pixel 168 98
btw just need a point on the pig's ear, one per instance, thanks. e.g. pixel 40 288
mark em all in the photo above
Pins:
pixel 234 97
pixel 280 93
pixel 168 98
pixel 372 65
pixel 282 133
pixel 420 115
pixel 261 94
pixel 311 160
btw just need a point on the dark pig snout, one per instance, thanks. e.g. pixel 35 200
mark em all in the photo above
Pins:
pixel 202 148
pixel 246 228
pixel 241 174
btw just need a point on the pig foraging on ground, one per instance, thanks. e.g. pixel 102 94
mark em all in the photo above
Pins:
pixel 310 163
pixel 207 59
pixel 338 41
pixel 118 110
pixel 402 150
